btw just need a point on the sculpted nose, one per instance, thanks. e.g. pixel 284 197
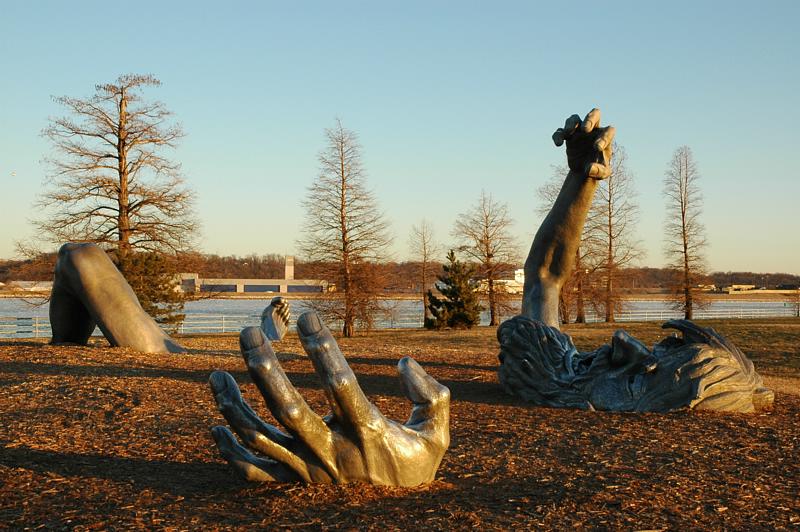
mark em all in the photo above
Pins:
pixel 625 349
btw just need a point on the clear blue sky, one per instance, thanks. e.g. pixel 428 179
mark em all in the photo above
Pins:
pixel 448 98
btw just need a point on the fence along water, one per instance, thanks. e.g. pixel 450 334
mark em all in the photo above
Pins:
pixel 403 314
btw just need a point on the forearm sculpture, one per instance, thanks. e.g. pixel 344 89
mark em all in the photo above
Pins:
pixel 355 443
pixel 89 291
pixel 539 363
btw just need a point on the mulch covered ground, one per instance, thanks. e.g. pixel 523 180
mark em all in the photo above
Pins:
pixel 97 438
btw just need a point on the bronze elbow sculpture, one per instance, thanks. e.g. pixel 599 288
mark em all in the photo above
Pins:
pixel 88 291
pixel 540 364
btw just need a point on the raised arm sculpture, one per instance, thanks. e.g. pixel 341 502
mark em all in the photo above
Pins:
pixel 539 363
pixel 355 443
pixel 89 291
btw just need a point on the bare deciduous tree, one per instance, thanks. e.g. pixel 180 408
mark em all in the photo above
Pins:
pixel 423 249
pixel 614 219
pixel 344 232
pixel 484 234
pixel 684 235
pixel 110 182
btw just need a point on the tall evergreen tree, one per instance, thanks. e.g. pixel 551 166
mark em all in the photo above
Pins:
pixel 458 307
pixel 155 280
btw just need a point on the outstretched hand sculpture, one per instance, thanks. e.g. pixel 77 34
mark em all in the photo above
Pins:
pixel 355 443
pixel 540 364
pixel 89 290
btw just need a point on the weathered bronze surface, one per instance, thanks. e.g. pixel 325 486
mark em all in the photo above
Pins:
pixel 355 443
pixel 539 363
pixel 89 290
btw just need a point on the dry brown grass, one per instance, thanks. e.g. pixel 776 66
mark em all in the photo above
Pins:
pixel 104 438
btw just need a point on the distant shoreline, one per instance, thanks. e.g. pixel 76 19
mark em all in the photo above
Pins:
pixel 753 295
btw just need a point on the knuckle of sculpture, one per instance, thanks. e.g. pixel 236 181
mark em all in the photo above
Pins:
pixel 342 380
pixel 292 414
pixel 442 396
pixel 259 362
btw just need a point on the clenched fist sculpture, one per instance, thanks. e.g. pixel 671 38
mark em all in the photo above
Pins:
pixel 355 443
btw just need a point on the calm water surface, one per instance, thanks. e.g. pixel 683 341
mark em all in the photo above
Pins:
pixel 207 315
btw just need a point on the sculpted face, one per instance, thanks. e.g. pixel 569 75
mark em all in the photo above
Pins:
pixel 701 370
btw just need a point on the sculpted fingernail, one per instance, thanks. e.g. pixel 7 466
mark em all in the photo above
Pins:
pixel 309 323
pixel 250 338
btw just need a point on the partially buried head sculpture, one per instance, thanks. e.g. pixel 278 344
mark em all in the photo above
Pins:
pixel 701 370
pixel 539 363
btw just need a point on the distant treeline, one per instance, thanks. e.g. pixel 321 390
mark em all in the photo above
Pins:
pixel 396 276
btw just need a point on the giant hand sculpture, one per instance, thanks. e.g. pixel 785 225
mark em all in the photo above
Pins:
pixel 356 443
pixel 540 364
pixel 552 255
pixel 88 290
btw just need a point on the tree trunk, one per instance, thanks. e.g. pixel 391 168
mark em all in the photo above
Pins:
pixel 348 326
pixel 425 311
pixel 609 300
pixel 123 201
pixel 563 308
pixel 492 303
pixel 687 288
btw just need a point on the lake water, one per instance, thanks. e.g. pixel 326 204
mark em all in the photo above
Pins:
pixel 20 317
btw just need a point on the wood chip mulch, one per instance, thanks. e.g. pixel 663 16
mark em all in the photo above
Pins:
pixel 96 438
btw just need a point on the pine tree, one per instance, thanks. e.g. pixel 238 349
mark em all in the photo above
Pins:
pixel 154 279
pixel 458 307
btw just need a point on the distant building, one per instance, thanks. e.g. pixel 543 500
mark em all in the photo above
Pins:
pixel 509 286
pixel 192 282
pixel 30 286
pixel 738 288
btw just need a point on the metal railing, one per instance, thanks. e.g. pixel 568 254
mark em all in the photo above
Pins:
pixel 33 327
pixel 39 326
pixel 709 314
